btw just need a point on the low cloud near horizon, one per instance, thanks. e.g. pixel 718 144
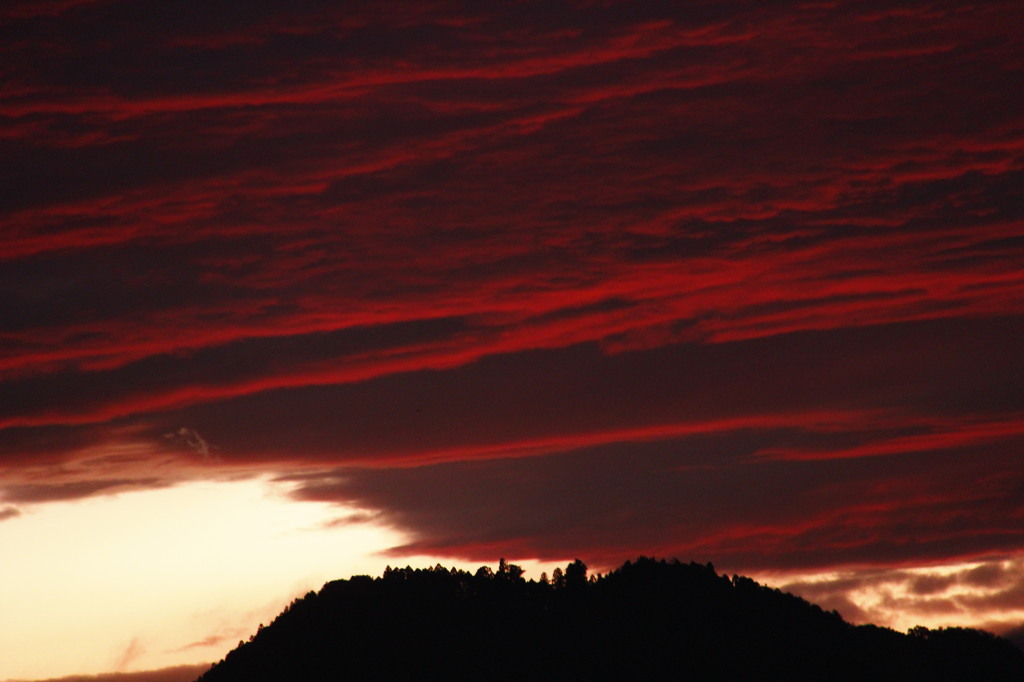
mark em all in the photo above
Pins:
pixel 179 673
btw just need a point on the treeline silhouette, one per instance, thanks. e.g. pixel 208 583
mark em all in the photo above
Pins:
pixel 648 620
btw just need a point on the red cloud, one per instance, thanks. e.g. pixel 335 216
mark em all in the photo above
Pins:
pixel 769 253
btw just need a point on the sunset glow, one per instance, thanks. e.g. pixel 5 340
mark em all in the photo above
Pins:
pixel 292 291
pixel 176 575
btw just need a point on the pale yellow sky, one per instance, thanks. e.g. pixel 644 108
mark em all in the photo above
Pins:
pixel 132 581
pixel 147 579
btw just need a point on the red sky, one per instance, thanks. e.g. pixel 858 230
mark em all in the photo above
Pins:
pixel 738 282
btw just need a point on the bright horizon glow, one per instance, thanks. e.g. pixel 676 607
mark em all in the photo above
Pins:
pixel 177 576
pixel 180 574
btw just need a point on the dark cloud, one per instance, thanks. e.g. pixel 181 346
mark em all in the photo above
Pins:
pixel 732 281
pixel 62 492
pixel 543 396
pixel 569 393
pixel 9 513
pixel 1010 597
pixel 987 575
pixel 695 497
pixel 931 584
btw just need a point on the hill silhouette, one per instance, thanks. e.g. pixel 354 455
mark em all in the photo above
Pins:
pixel 646 620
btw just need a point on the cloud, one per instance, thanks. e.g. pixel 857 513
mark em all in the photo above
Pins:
pixel 134 650
pixel 357 136
pixel 352 519
pixel 180 673
pixel 191 440
pixel 936 595
pixel 559 433
pixel 720 280
pixel 931 584
pixel 412 414
pixel 212 640
pixel 695 497
pixel 9 513
pixel 62 492
pixel 57 464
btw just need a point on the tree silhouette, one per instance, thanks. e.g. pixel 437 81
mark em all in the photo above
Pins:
pixel 646 620
pixel 575 574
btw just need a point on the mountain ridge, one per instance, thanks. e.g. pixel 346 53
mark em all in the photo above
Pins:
pixel 648 619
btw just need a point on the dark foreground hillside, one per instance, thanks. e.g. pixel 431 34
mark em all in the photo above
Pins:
pixel 648 620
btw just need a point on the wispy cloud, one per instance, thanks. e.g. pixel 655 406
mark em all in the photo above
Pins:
pixel 938 595
pixel 726 281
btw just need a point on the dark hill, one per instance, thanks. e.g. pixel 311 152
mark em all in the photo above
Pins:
pixel 647 620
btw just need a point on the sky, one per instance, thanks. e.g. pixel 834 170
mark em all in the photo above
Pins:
pixel 294 291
